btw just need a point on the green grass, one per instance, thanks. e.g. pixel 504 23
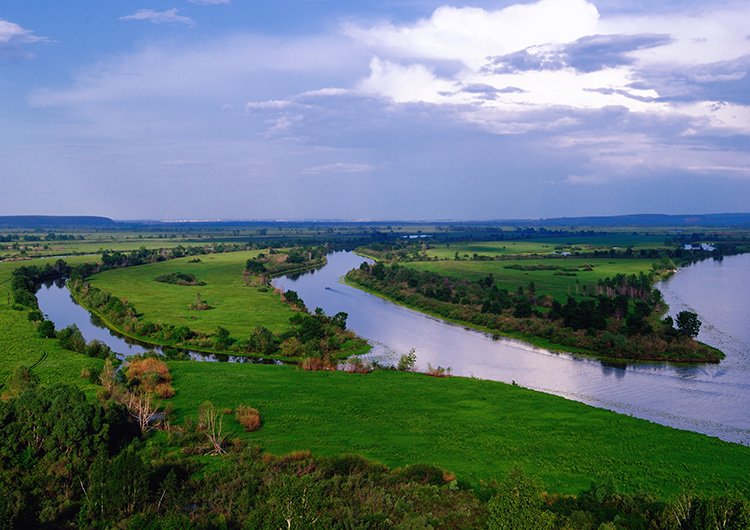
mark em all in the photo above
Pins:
pixel 477 429
pixel 236 307
pixel 548 245
pixel 21 346
pixel 546 282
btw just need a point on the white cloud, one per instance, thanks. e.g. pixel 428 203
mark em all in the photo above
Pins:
pixel 170 16
pixel 271 104
pixel 584 180
pixel 210 2
pixel 405 83
pixel 11 33
pixel 338 167
pixel 470 34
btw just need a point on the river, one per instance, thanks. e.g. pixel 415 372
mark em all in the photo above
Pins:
pixel 711 399
pixel 58 306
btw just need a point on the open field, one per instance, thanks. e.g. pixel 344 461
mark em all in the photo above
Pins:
pixel 235 306
pixel 546 281
pixel 477 429
pixel 571 244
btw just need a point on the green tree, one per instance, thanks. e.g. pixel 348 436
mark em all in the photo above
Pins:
pixel 688 323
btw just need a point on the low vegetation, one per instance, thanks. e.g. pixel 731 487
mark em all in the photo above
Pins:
pixel 179 278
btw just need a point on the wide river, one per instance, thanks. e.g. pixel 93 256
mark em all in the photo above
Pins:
pixel 711 399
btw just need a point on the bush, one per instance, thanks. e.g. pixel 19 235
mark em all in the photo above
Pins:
pixel 151 375
pixel 407 361
pixel 248 417
pixel 46 329
pixel 316 364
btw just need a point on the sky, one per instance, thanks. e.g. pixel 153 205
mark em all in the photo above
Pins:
pixel 373 109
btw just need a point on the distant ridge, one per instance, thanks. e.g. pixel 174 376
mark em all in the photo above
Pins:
pixel 715 220
pixel 55 221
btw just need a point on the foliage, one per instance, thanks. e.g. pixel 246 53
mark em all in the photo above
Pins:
pixel 688 323
pixel 248 417
pixel 407 361
pixel 615 318
pixel 179 278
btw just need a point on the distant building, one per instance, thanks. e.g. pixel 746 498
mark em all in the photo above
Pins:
pixel 700 246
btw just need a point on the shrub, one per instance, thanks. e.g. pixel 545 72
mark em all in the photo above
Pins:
pixel 315 364
pixel 150 375
pixel 357 366
pixel 438 371
pixel 164 390
pixel 248 417
pixel 46 329
pixel 407 361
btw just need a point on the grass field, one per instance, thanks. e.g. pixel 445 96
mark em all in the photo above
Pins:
pixel 236 307
pixel 546 281
pixel 548 245
pixel 20 345
pixel 476 429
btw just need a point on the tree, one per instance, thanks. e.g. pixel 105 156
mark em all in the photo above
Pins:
pixel 688 323
pixel 407 361
pixel 210 422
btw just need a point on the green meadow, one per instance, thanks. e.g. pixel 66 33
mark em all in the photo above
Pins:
pixel 545 246
pixel 234 305
pixel 476 429
pixel 546 281
pixel 20 344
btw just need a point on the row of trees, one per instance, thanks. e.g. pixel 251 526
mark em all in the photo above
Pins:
pixel 617 318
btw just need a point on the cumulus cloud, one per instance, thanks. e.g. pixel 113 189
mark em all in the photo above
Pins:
pixel 403 83
pixel 170 16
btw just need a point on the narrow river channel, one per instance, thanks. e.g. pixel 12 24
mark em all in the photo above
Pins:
pixel 711 399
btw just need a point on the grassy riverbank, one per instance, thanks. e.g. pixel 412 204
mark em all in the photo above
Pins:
pixel 234 306
pixel 20 344
pixel 476 429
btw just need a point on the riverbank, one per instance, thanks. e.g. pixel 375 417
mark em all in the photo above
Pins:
pixel 606 341
pixel 476 429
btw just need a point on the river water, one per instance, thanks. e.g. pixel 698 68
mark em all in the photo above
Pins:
pixel 58 306
pixel 711 399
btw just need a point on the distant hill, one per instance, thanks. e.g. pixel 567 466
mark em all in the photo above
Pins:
pixel 719 220
pixel 55 221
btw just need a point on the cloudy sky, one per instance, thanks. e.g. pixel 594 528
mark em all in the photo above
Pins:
pixel 374 109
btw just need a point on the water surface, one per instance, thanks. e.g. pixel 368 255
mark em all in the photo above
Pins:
pixel 711 399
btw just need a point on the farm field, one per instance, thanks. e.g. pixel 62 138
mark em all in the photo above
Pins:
pixel 547 245
pixel 547 281
pixel 235 306
pixel 476 429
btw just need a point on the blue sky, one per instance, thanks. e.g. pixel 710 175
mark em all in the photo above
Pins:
pixel 401 109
